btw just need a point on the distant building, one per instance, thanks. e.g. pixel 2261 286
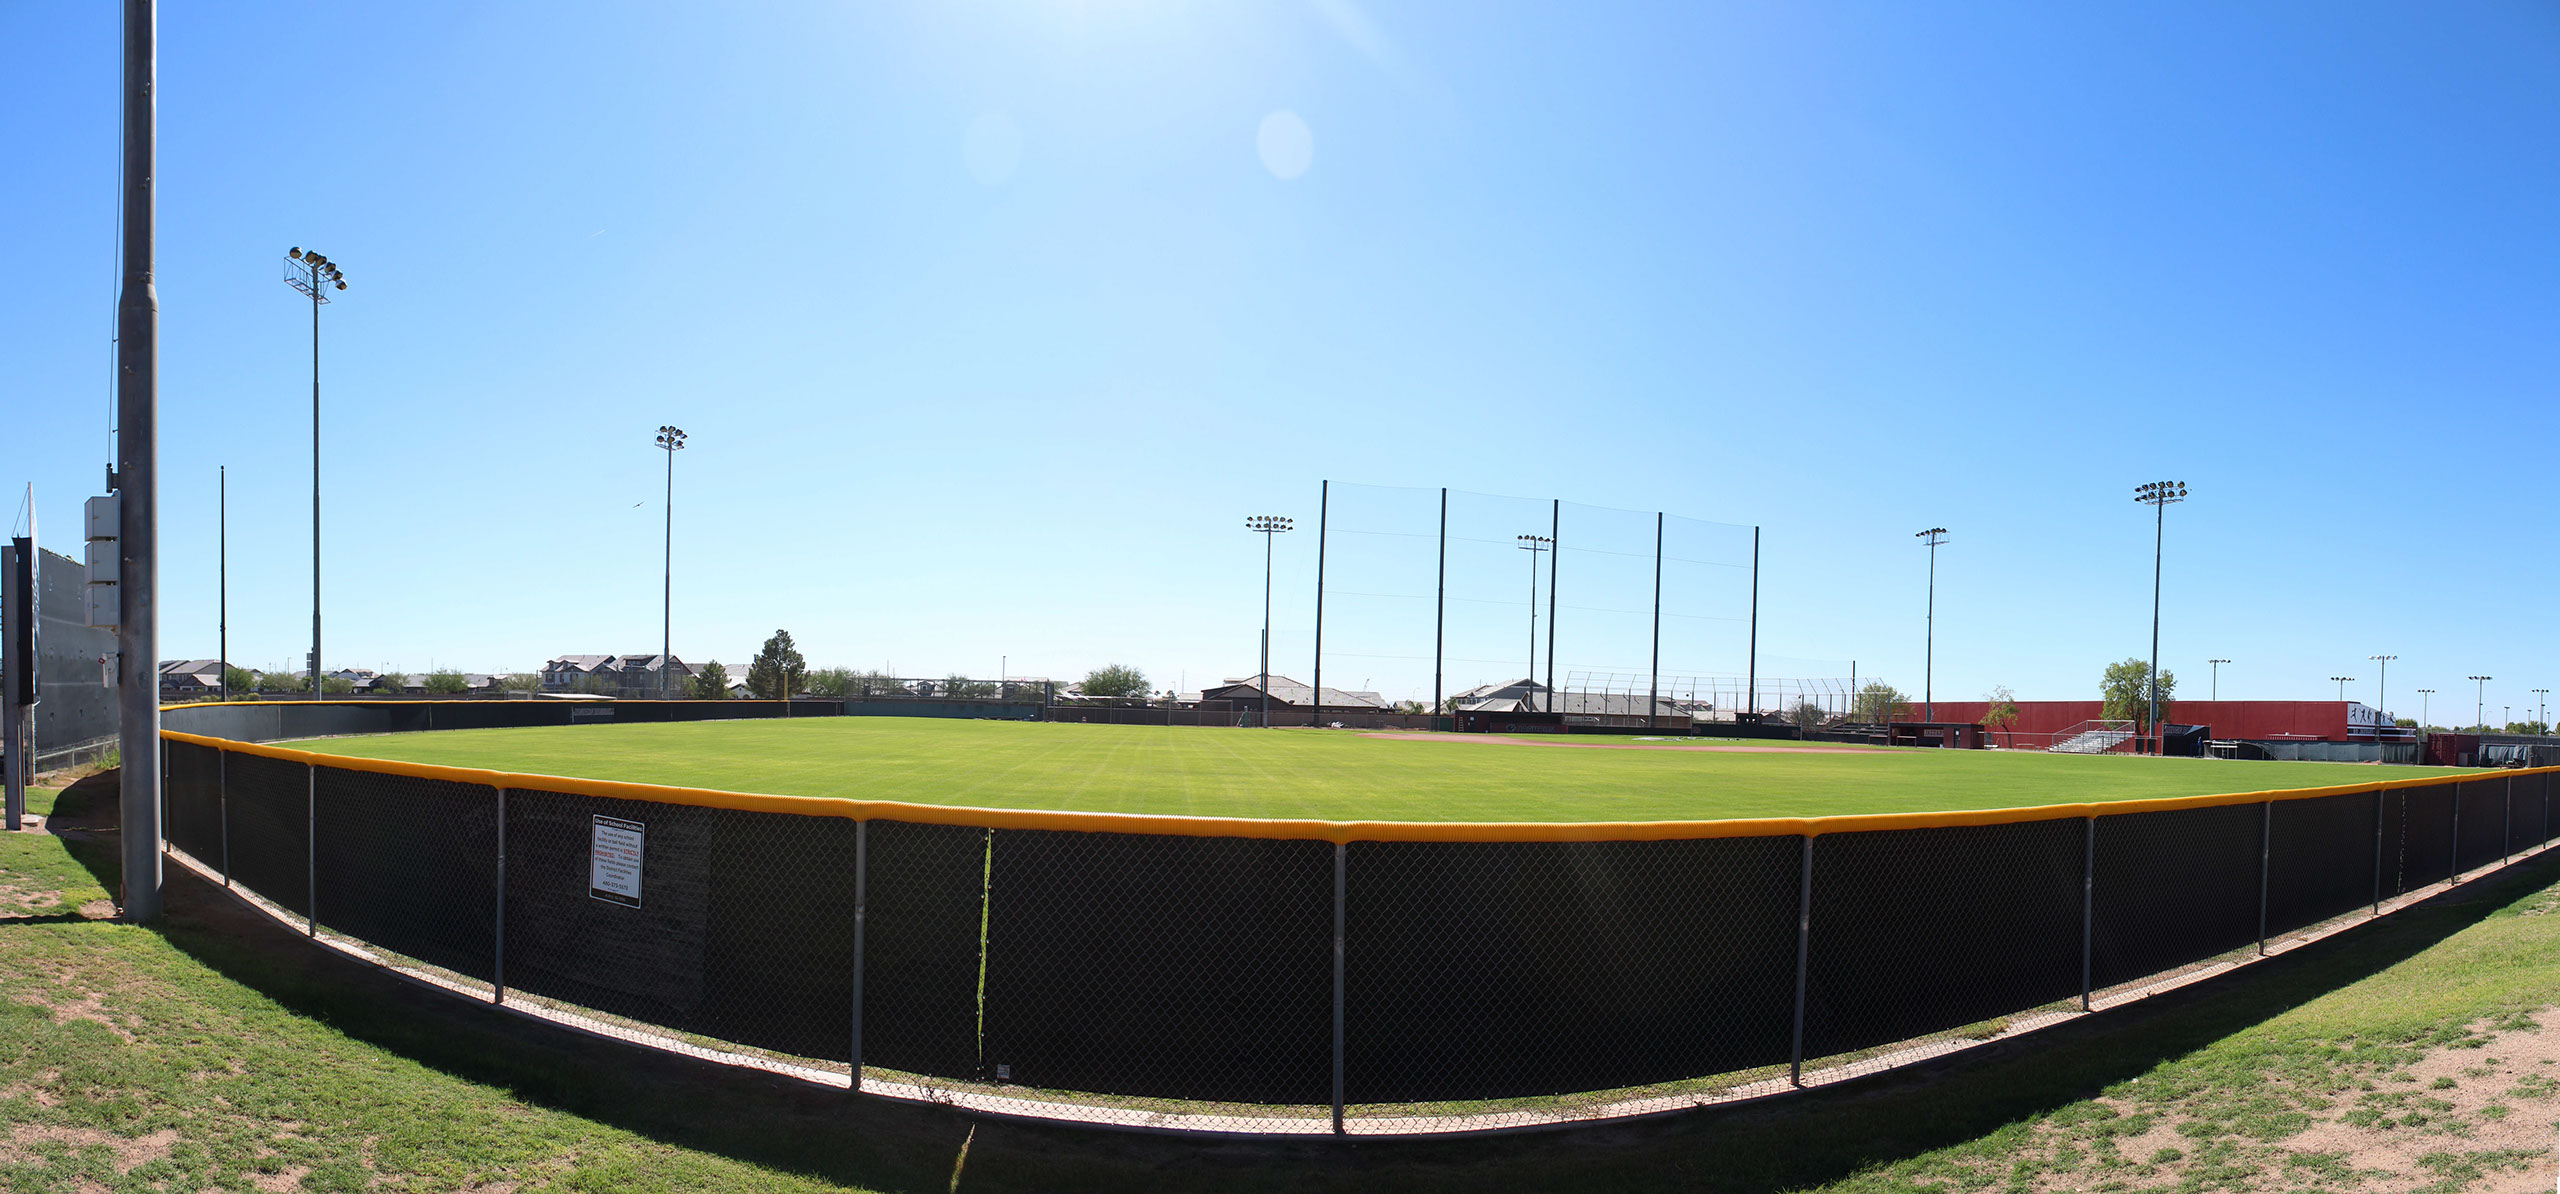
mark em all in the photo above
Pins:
pixel 190 677
pixel 1247 692
pixel 616 675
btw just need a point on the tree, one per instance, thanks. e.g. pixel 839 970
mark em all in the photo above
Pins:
pixel 2126 689
pixel 393 683
pixel 1413 707
pixel 1878 702
pixel 336 685
pixel 964 688
pixel 777 670
pixel 711 683
pixel 2002 714
pixel 1806 715
pixel 1115 680
pixel 834 683
pixel 445 681
pixel 524 682
pixel 239 679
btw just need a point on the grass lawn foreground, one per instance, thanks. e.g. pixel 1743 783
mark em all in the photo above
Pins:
pixel 1321 774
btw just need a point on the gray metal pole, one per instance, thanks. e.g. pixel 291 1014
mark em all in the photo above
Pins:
pixel 1929 644
pixel 2088 910
pixel 1324 508
pixel 1804 958
pixel 498 961
pixel 2266 853
pixel 311 850
pixel 1266 629
pixel 138 474
pixel 1440 611
pixel 2453 863
pixel 14 755
pixel 667 611
pixel 1555 552
pixel 2507 840
pixel 316 691
pixel 1653 676
pixel 222 781
pixel 222 579
pixel 1341 896
pixel 861 914
pixel 2159 532
pixel 1751 663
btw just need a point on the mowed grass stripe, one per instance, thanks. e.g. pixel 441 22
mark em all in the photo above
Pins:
pixel 1316 774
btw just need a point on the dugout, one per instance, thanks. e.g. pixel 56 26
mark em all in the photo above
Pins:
pixel 1959 735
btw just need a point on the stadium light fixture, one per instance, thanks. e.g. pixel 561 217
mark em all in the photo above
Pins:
pixel 1267 526
pixel 670 438
pixel 2479 702
pixel 2425 695
pixel 2542 707
pixel 2216 664
pixel 1929 638
pixel 314 275
pixel 2342 682
pixel 1535 545
pixel 2159 495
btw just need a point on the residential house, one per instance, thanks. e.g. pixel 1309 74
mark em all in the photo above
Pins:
pixel 1247 693
pixel 190 677
pixel 635 676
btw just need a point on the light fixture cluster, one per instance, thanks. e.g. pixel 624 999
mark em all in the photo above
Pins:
pixel 1268 524
pixel 1535 542
pixel 671 438
pixel 323 272
pixel 2160 493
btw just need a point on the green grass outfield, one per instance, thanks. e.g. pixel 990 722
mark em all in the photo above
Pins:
pixel 1331 775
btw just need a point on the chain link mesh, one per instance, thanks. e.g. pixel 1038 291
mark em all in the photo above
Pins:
pixel 410 865
pixel 1919 932
pixel 2173 888
pixel 1174 967
pixel 2321 859
pixel 1488 971
pixel 2484 823
pixel 191 782
pixel 923 911
pixel 267 805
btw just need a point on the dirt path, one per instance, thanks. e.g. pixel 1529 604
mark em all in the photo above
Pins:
pixel 1506 740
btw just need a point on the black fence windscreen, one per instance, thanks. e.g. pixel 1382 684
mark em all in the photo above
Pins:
pixel 2174 887
pixel 1917 931
pixel 1179 967
pixel 925 888
pixel 410 865
pixel 2424 854
pixel 2322 860
pixel 2531 807
pixel 1499 969
pixel 2484 822
pixel 192 786
pixel 269 809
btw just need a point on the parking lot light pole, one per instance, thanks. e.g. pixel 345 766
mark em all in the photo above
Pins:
pixel 2479 701
pixel 2342 682
pixel 1268 525
pixel 2217 677
pixel 315 276
pixel 2425 695
pixel 2541 709
pixel 2381 693
pixel 1929 636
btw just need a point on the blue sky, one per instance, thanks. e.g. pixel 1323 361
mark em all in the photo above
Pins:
pixel 990 322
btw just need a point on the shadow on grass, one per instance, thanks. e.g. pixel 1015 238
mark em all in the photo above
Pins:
pixel 1803 1140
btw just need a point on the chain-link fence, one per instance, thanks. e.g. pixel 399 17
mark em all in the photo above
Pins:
pixel 1299 976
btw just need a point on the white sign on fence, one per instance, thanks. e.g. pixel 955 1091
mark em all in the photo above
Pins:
pixel 614 875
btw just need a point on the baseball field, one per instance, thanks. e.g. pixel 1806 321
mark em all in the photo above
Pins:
pixel 1335 775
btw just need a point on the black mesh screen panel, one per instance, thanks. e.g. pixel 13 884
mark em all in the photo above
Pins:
pixel 2321 862
pixel 2424 853
pixel 411 865
pixel 270 823
pixel 920 948
pixel 2174 887
pixel 1181 967
pixel 2484 822
pixel 192 786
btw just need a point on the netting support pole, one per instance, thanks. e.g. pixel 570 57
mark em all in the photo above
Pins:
pixel 1653 679
pixel 2381 802
pixel 2088 906
pixel 1751 660
pixel 1440 612
pixel 1804 956
pixel 311 846
pixel 2266 850
pixel 861 912
pixel 1341 893
pixel 1324 508
pixel 498 927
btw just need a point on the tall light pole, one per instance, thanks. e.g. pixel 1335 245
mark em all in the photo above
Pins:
pixel 2159 495
pixel 315 276
pixel 1535 545
pixel 2381 693
pixel 2342 682
pixel 2425 695
pixel 1929 640
pixel 671 439
pixel 2541 708
pixel 2479 702
pixel 1268 525
pixel 2217 676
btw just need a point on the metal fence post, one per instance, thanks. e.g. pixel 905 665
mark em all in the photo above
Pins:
pixel 2266 850
pixel 1804 955
pixel 2088 907
pixel 861 911
pixel 2453 859
pixel 1341 891
pixel 498 959
pixel 311 851
pixel 2507 838
pixel 2381 804
pixel 222 778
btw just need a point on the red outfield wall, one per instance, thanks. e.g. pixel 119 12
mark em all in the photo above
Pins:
pixel 2306 721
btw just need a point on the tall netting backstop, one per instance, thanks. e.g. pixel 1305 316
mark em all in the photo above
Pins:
pixel 1279 976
